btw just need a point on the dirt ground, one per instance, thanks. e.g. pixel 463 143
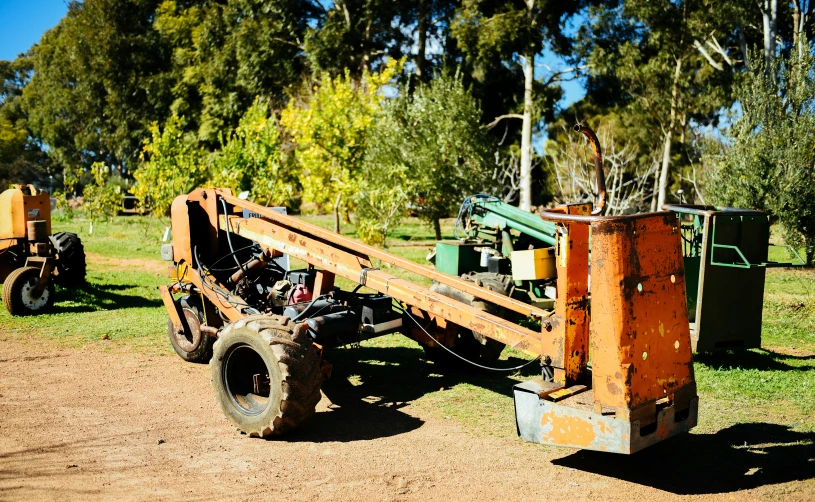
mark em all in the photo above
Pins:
pixel 83 424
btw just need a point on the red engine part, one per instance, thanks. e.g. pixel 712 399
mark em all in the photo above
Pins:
pixel 301 294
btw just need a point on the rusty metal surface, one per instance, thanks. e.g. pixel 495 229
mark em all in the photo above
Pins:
pixel 566 337
pixel 641 389
pixel 579 426
pixel 353 246
pixel 172 311
pixel 641 347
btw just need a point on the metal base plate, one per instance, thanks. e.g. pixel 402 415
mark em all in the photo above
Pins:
pixel 573 424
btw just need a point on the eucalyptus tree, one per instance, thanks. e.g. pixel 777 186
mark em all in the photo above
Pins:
pixel 100 77
pixel 662 64
pixel 495 34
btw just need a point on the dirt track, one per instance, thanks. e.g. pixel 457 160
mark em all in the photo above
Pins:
pixel 80 424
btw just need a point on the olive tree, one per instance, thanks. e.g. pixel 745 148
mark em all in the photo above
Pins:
pixel 767 160
pixel 428 149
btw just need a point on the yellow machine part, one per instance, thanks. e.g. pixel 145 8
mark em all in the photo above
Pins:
pixel 533 264
pixel 20 204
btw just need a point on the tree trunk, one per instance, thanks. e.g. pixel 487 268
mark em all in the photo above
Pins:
pixel 655 193
pixel 422 40
pixel 769 14
pixel 663 173
pixel 525 202
pixel 666 152
pixel 437 227
pixel 526 135
pixel 337 213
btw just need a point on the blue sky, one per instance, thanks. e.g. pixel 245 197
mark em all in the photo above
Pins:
pixel 22 23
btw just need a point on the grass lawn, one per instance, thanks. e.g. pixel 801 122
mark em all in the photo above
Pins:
pixel 120 310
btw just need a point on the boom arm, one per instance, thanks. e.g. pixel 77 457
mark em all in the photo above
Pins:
pixel 351 259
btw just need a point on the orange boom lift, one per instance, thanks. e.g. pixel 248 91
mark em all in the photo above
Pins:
pixel 616 377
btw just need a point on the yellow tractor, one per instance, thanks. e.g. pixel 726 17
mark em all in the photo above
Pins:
pixel 31 259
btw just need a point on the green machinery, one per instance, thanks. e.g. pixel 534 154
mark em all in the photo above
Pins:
pixel 725 251
pixel 726 259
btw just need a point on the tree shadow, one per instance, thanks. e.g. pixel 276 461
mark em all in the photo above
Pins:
pixel 90 297
pixel 761 359
pixel 741 457
pixel 370 385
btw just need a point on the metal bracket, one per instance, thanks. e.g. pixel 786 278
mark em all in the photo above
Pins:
pixel 363 275
pixel 46 266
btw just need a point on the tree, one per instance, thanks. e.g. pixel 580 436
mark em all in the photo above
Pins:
pixel 254 159
pixel 627 179
pixel 649 61
pixel 356 36
pixel 516 32
pixel 22 159
pixel 330 129
pixel 101 198
pixel 172 165
pixel 100 78
pixel 768 160
pixel 431 146
pixel 225 54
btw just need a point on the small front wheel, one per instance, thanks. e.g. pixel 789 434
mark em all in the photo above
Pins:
pixel 20 296
pixel 192 343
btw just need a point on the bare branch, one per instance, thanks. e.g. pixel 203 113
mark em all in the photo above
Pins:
pixel 707 56
pixel 502 117
pixel 714 44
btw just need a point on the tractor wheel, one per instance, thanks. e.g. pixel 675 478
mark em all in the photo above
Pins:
pixel 266 374
pixel 70 259
pixel 18 292
pixel 469 345
pixel 192 345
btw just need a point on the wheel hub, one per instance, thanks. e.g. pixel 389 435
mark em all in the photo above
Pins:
pixel 189 340
pixel 30 299
pixel 246 379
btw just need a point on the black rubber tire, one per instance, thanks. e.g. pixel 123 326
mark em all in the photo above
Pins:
pixel 473 346
pixel 71 266
pixel 282 349
pixel 15 291
pixel 201 352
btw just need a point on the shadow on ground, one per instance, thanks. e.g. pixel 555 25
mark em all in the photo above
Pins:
pixel 371 385
pixel 758 359
pixel 90 297
pixel 740 457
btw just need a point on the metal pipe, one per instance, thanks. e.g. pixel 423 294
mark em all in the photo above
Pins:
pixel 702 210
pixel 600 207
pixel 577 218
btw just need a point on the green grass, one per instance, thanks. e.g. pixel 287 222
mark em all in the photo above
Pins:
pixel 777 382
pixel 120 310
